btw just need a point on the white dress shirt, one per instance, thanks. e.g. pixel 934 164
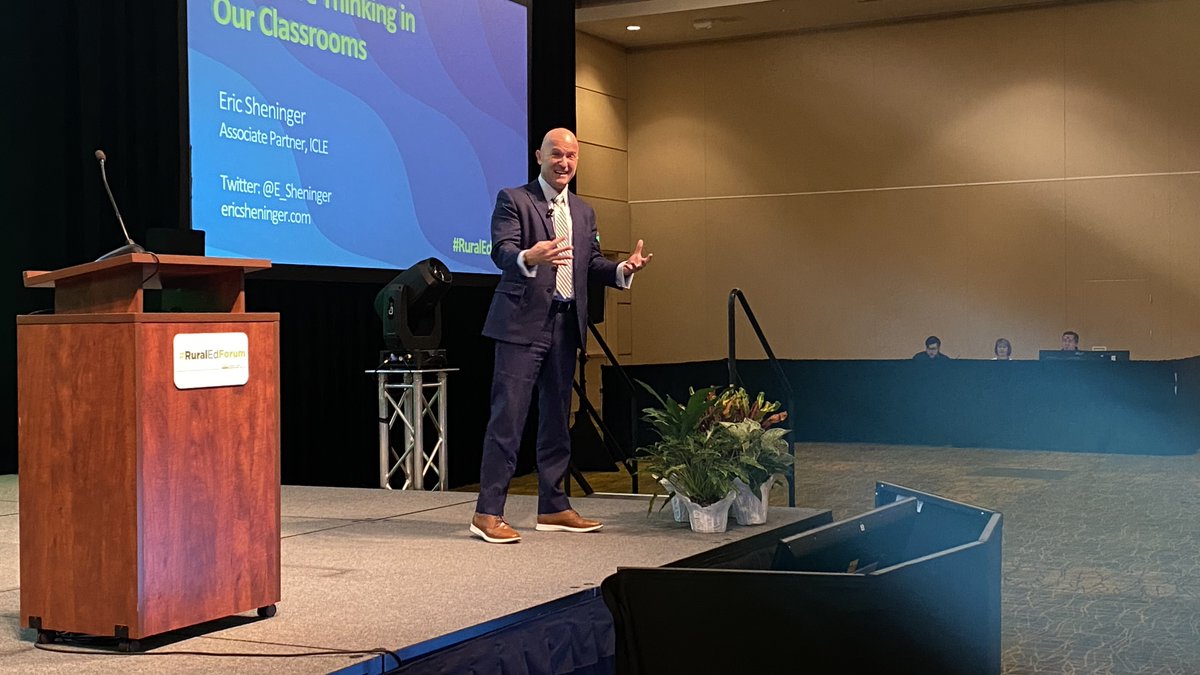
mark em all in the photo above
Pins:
pixel 623 281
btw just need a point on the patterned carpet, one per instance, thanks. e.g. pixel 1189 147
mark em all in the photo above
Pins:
pixel 1101 552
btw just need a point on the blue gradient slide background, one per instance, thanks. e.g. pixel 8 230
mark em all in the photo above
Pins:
pixel 421 135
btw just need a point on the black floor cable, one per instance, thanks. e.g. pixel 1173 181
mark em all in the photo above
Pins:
pixel 78 645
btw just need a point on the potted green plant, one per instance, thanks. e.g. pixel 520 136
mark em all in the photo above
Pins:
pixel 762 453
pixel 694 458
pixel 762 459
pixel 714 444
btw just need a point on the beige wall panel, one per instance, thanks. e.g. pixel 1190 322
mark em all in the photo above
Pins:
pixel 1183 297
pixel 612 220
pixel 1184 115
pixel 600 65
pixel 869 275
pixel 922 277
pixel 825 274
pixel 608 328
pixel 970 99
pixel 1166 297
pixel 603 172
pixel 673 316
pixel 789 114
pixel 1016 286
pixel 1119 80
pixel 1085 89
pixel 788 255
pixel 667 125
pixel 754 245
pixel 923 80
pixel 1119 239
pixel 1115 314
pixel 1117 228
pixel 593 347
pixel 623 345
pixel 600 119
pixel 1011 121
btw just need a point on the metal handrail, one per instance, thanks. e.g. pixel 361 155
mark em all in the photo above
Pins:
pixel 734 379
pixel 615 450
pixel 629 461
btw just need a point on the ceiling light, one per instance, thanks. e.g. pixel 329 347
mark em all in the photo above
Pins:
pixel 633 27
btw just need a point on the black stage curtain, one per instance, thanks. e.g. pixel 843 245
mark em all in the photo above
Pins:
pixel 106 74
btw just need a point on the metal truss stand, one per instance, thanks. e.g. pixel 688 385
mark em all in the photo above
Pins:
pixel 404 396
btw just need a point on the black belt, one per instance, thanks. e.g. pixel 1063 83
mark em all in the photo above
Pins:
pixel 561 306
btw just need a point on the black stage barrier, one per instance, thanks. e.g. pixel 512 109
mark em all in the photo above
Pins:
pixel 1135 407
pixel 910 586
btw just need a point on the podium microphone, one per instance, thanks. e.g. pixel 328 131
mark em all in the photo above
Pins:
pixel 130 246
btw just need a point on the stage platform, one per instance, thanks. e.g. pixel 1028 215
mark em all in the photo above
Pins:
pixel 376 569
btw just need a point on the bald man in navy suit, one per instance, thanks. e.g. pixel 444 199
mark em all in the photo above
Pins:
pixel 544 241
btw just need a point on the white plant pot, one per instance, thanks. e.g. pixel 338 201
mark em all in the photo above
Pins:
pixel 678 509
pixel 748 508
pixel 712 518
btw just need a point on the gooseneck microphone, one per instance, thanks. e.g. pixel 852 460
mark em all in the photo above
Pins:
pixel 130 246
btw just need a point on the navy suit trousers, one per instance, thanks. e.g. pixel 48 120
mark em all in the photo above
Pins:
pixel 548 363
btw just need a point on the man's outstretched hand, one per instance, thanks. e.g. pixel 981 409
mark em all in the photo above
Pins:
pixel 553 251
pixel 636 260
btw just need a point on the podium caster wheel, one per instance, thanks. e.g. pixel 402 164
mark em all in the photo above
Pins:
pixel 268 611
pixel 45 637
pixel 129 646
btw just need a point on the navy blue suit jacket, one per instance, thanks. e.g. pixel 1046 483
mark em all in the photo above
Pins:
pixel 521 303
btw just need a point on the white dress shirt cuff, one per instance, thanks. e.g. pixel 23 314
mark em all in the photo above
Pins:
pixel 622 280
pixel 521 265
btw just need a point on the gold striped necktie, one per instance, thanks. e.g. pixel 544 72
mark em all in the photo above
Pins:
pixel 563 283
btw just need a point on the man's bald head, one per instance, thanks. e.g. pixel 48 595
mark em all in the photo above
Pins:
pixel 558 157
pixel 560 135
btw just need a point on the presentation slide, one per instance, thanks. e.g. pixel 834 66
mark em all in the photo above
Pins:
pixel 355 133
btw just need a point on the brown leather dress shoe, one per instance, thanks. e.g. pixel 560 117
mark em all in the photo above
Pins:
pixel 493 529
pixel 566 521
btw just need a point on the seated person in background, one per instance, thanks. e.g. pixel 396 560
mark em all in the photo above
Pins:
pixel 1070 341
pixel 1003 350
pixel 933 350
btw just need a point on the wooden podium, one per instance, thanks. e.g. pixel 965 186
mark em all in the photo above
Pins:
pixel 145 507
